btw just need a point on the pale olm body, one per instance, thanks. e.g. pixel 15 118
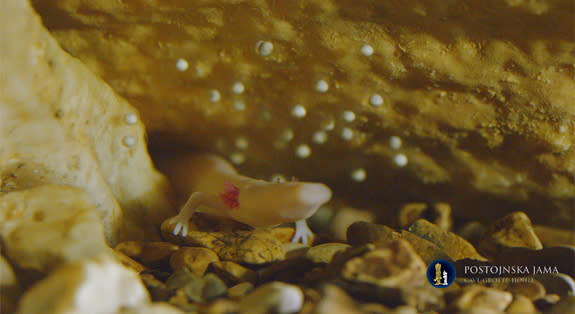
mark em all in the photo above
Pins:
pixel 259 203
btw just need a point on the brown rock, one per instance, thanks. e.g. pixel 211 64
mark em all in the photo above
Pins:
pixel 157 289
pixel 565 305
pixel 477 298
pixel 250 247
pixel 9 287
pixel 322 254
pixel 256 246
pixel 427 250
pixel 205 289
pixel 275 296
pixel 46 226
pixel 361 233
pixel 98 285
pixel 335 300
pixel 513 230
pixel 532 289
pixel 61 124
pixel 521 305
pixel 295 249
pixel 151 254
pixel 153 308
pixel 559 284
pixel 456 247
pixel 127 261
pixel 221 306
pixel 284 234
pixel 345 217
pixel 232 272
pixel 240 289
pixel 193 259
pixel 180 300
pixel 439 214
pixel 551 236
pixel 396 265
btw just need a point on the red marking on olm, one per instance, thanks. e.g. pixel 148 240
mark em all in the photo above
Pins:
pixel 231 195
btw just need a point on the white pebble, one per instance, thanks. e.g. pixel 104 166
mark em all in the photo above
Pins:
pixel 237 158
pixel 358 175
pixel 328 125
pixel 366 50
pixel 131 118
pixel 129 141
pixel 395 142
pixel 264 48
pixel 287 135
pixel 239 105
pixel 400 160
pixel 320 137
pixel 182 65
pixel 242 142
pixel 321 86
pixel 347 134
pixel 215 95
pixel 303 151
pixel 376 100
pixel 298 111
pixel 348 116
pixel 238 88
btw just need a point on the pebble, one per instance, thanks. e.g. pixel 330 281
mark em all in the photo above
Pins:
pixel 323 253
pixel 233 273
pixel 362 232
pixel 562 257
pixel 347 216
pixel 193 259
pixel 427 250
pixel 476 298
pixel 295 249
pixel 257 246
pixel 205 289
pixel 565 305
pixel 513 230
pixel 336 301
pixel 151 254
pixel 559 284
pixel 455 246
pixel 393 265
pixel 521 305
pixel 127 261
pixel 530 289
pixel 157 289
pixel 545 303
pixel 439 214
pixel 472 231
pixel 283 234
pixel 97 285
pixel 276 297
pixel 180 278
pixel 240 289
pixel 551 236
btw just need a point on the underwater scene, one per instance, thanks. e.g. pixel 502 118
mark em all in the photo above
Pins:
pixel 287 156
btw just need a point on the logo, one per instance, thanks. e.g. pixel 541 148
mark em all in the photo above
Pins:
pixel 440 273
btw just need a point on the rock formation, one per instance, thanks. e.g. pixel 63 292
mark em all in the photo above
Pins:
pixel 468 102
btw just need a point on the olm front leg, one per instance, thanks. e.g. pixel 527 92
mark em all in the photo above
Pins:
pixel 195 200
pixel 302 232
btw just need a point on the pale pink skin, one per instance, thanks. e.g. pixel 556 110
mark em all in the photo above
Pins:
pixel 260 204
